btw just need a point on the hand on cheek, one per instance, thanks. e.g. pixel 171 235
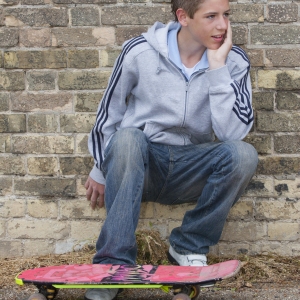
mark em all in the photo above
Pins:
pixel 217 58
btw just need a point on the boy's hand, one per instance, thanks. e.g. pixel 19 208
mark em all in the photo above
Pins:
pixel 217 58
pixel 94 192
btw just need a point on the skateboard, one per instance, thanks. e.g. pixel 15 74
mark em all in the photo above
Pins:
pixel 185 282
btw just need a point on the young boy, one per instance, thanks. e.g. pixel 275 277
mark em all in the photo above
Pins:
pixel 171 91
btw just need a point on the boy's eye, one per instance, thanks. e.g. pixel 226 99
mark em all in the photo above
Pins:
pixel 226 15
pixel 210 16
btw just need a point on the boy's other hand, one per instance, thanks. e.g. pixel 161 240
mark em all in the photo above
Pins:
pixel 94 192
pixel 217 58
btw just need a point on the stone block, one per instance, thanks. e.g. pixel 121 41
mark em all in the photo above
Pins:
pixel 282 57
pixel 262 143
pixel 4 101
pixel 38 248
pixel 41 81
pixel 83 80
pixel 125 33
pixel 6 185
pixel 12 165
pixel 85 231
pixel 81 144
pixel 38 38
pixel 1 58
pixel 81 191
pixel 33 2
pixel 286 100
pixel 12 208
pixel 82 37
pixel 84 1
pixel 256 57
pixel 274 35
pixel 278 165
pixel 14 123
pixel 278 122
pixel 43 144
pixel 42 209
pixel 5 143
pixel 282 13
pixel 260 187
pixel 263 100
pixel 85 16
pixel 9 2
pixel 108 57
pixel 244 13
pixel 173 212
pixel 41 102
pixel 83 59
pixel 47 59
pixel 80 123
pixel 278 248
pixel 42 166
pixel 287 144
pixel 9 37
pixel 76 165
pixel 280 231
pixel 239 35
pixel 37 229
pixel 11 249
pixel 42 123
pixel 12 81
pixel 242 210
pixel 46 187
pixel 36 17
pixel 87 102
pixel 143 15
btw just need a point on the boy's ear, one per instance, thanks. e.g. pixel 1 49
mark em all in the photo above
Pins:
pixel 181 16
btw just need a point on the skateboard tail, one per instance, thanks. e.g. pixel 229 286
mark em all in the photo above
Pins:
pixel 18 280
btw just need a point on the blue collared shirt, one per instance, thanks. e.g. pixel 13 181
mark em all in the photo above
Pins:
pixel 175 56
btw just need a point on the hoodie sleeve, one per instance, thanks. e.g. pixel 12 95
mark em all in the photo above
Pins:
pixel 112 107
pixel 231 97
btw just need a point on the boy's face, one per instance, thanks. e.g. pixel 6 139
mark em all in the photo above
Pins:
pixel 209 24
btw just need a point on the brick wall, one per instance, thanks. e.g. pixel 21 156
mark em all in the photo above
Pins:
pixel 55 59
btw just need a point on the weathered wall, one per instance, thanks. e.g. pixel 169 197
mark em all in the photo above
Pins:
pixel 55 59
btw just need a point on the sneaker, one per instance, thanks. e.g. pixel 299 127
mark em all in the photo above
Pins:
pixel 198 260
pixel 100 294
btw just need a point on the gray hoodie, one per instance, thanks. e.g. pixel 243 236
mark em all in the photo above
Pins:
pixel 147 90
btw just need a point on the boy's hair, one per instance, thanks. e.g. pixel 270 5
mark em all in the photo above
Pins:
pixel 189 6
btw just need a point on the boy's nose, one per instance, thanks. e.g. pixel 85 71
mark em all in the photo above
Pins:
pixel 222 24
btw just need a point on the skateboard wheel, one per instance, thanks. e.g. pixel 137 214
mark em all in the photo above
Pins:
pixel 181 297
pixel 37 296
pixel 195 291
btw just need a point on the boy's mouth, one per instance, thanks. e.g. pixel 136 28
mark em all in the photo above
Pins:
pixel 218 38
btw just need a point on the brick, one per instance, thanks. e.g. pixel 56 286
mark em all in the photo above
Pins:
pixel 262 143
pixel 9 37
pixel 239 35
pixel 244 231
pixel 42 123
pixel 9 2
pixel 84 231
pixel 81 191
pixel 35 37
pixel 277 248
pixel 33 2
pixel 81 123
pixel 13 123
pixel 38 248
pixel 76 165
pixel 243 13
pixel 41 81
pixel 38 17
pixel 12 165
pixel 5 186
pixel 37 229
pixel 143 15
pixel 1 59
pixel 81 144
pixel 79 209
pixel 4 101
pixel 10 249
pixel 41 102
pixel 43 144
pixel 278 165
pixel 256 57
pixel 2 228
pixel 42 209
pixel 242 210
pixel 175 212
pixel 263 100
pixel 125 33
pixel 83 59
pixel 253 78
pixel 287 144
pixel 234 249
pixel 47 187
pixel 48 59
pixel 260 187
pixel 283 231
pixel 79 37
pixel 84 1
pixel 282 122
pixel 85 16
pixel 290 189
pixel 12 208
pixel 87 102
pixel 288 100
pixel 274 35
pixel 83 80
pixel 108 57
pixel 5 143
pixel 42 166
pixel 283 57
pixel 12 81
pixel 281 13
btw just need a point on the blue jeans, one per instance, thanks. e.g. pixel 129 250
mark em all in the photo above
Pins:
pixel 213 175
